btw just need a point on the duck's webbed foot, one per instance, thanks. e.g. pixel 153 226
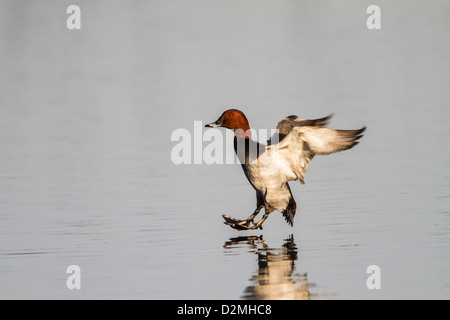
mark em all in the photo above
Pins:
pixel 244 224
pixel 238 224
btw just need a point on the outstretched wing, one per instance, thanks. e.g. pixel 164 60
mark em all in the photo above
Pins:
pixel 285 126
pixel 326 141
pixel 293 153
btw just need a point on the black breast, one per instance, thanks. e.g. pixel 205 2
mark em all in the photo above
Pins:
pixel 247 150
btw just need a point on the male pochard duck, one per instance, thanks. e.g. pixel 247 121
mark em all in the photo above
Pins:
pixel 269 167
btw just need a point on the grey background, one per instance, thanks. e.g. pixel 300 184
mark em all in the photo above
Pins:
pixel 86 118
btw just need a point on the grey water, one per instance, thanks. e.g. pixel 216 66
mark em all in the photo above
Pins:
pixel 87 179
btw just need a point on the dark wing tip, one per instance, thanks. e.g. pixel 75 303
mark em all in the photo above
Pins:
pixel 348 138
pixel 359 133
pixel 322 122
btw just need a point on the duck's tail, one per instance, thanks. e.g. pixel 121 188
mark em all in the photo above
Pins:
pixel 290 210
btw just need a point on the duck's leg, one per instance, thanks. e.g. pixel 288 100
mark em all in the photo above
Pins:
pixel 260 222
pixel 232 221
pixel 246 223
pixel 245 226
pixel 254 214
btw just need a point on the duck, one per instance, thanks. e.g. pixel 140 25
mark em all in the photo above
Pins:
pixel 270 166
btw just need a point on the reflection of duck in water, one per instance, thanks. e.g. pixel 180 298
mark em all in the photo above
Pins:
pixel 275 279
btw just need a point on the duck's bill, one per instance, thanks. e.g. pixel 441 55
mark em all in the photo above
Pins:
pixel 213 124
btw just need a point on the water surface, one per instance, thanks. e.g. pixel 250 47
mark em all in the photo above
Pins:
pixel 86 176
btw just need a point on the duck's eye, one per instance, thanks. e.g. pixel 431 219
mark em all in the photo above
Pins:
pixel 229 115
